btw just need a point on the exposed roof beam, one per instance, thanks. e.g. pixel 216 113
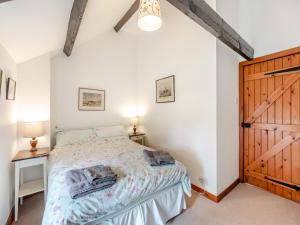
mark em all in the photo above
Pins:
pixel 209 19
pixel 128 15
pixel 74 24
pixel 1 1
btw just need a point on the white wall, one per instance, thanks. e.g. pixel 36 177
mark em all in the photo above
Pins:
pixel 126 66
pixel 34 104
pixel 8 131
pixel 228 117
pixel 108 62
pixel 187 127
pixel 227 102
pixel 270 25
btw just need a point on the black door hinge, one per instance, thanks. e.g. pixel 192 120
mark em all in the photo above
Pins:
pixel 297 68
pixel 246 125
pixel 292 186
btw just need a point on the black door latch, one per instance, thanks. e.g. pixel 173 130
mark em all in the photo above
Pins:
pixel 246 125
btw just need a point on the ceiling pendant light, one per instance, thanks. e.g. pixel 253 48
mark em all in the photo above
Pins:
pixel 149 15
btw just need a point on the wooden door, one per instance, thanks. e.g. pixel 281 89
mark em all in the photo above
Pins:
pixel 270 123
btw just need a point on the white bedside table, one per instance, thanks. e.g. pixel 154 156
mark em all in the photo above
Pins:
pixel 137 137
pixel 26 159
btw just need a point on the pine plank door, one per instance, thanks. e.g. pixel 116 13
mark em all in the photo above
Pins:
pixel 270 129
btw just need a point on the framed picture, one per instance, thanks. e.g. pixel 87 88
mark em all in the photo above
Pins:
pixel 91 99
pixel 165 90
pixel 1 72
pixel 10 89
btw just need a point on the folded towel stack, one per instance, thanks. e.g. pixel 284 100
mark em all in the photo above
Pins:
pixel 85 181
pixel 99 174
pixel 158 158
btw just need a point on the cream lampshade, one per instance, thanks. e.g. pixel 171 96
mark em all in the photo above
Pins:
pixel 149 15
pixel 134 123
pixel 33 130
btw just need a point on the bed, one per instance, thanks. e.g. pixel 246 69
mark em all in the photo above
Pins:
pixel 142 195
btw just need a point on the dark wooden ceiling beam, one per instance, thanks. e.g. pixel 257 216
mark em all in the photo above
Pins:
pixel 1 1
pixel 74 24
pixel 209 19
pixel 127 16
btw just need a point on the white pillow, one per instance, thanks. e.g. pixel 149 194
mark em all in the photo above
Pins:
pixel 74 136
pixel 111 131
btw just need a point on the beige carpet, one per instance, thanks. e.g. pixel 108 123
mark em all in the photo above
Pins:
pixel 245 205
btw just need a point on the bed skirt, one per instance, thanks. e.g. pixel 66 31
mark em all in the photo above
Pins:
pixel 156 209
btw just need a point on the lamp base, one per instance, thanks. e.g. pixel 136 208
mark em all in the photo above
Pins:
pixel 33 143
pixel 134 129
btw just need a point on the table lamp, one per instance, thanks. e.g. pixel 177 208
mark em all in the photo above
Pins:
pixel 33 130
pixel 134 123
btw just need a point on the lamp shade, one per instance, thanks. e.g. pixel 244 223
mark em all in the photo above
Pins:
pixel 33 129
pixel 149 15
pixel 134 121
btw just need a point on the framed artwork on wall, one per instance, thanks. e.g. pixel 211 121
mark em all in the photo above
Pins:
pixel 91 99
pixel 10 89
pixel 1 72
pixel 165 90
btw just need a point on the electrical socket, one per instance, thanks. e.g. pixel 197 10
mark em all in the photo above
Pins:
pixel 202 181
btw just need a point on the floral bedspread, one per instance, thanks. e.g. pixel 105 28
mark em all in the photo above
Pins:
pixel 136 179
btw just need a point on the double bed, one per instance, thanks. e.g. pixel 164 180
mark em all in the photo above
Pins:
pixel 143 195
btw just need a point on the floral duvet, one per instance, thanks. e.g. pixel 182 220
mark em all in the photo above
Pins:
pixel 136 179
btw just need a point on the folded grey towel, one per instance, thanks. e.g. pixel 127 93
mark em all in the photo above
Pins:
pixel 158 158
pixel 98 174
pixel 163 158
pixel 79 186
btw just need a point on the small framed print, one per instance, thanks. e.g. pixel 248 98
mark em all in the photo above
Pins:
pixel 165 90
pixel 1 72
pixel 91 99
pixel 10 89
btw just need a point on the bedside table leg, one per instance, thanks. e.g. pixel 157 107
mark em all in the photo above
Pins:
pixel 21 182
pixel 45 180
pixel 17 186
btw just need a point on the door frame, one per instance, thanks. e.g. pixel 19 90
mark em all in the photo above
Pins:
pixel 268 57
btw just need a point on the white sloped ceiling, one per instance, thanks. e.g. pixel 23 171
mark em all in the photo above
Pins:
pixel 29 28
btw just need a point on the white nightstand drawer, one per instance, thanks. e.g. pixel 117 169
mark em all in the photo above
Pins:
pixel 31 162
pixel 136 138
